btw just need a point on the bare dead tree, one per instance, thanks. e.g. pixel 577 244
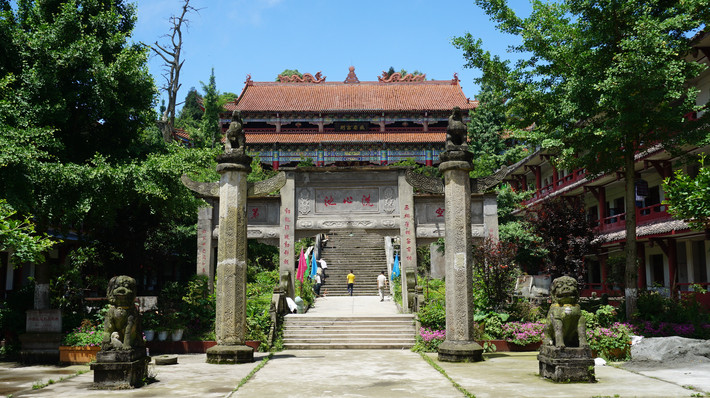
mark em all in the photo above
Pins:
pixel 171 55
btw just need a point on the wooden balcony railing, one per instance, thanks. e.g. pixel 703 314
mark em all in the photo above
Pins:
pixel 644 215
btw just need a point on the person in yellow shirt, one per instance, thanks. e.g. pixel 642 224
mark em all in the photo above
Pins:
pixel 351 282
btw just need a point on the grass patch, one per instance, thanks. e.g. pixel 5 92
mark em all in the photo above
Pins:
pixel 443 372
pixel 252 373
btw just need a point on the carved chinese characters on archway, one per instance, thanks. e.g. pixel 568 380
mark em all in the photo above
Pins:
pixel 331 201
pixel 408 239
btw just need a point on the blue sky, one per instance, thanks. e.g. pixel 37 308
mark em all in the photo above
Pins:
pixel 264 37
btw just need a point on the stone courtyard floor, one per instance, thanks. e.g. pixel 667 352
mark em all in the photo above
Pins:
pixel 361 373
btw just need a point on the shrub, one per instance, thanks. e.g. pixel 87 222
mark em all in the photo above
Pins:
pixel 85 335
pixel 428 340
pixel 433 315
pixel 612 343
pixel 494 273
pixel 523 333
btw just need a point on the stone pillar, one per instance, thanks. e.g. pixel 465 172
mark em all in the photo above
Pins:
pixel 287 224
pixel 204 245
pixel 459 345
pixel 408 239
pixel 230 323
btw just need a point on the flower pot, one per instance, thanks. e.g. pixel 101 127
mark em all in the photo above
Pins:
pixel 162 335
pixel 527 347
pixel 149 335
pixel 253 344
pixel 77 355
pixel 177 334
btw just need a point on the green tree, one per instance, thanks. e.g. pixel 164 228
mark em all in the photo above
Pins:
pixel 79 149
pixel 688 198
pixel 190 115
pixel 211 130
pixel 600 81
pixel 17 234
pixel 54 50
pixel 289 72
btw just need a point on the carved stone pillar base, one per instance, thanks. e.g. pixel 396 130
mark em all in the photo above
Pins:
pixel 460 351
pixel 230 354
pixel 566 364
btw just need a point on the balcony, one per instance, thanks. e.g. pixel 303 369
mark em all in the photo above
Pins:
pixel 644 215
pixel 561 183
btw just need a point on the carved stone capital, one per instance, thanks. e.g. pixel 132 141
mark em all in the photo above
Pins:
pixel 457 153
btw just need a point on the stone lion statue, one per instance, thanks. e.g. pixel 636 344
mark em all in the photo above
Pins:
pixel 122 325
pixel 456 130
pixel 235 138
pixel 565 323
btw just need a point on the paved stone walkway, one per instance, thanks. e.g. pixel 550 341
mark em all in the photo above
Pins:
pixel 361 373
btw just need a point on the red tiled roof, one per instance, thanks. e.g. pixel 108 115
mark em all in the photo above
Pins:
pixel 355 137
pixel 433 95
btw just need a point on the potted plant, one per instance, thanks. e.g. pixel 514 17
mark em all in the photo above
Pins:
pixel 81 344
pixel 175 325
pixel 612 343
pixel 523 336
pixel 162 333
pixel 150 322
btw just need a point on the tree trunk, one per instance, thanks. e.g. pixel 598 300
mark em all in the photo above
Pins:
pixel 631 271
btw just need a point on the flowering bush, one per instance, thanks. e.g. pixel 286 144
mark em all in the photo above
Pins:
pixel 663 329
pixel 523 333
pixel 429 340
pixel 84 335
pixel 611 343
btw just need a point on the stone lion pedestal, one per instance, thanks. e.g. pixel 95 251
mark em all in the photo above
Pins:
pixel 116 370
pixel 122 362
pixel 566 364
pixel 565 355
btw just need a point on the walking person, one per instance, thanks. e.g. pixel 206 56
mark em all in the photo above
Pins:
pixel 382 282
pixel 318 285
pixel 351 282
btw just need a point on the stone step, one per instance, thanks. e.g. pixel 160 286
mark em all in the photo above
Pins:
pixel 348 346
pixel 305 331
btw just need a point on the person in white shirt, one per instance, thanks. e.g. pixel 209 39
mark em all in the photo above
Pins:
pixel 381 284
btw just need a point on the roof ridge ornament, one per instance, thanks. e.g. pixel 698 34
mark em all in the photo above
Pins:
pixel 352 77
pixel 455 80
pixel 398 78
pixel 307 78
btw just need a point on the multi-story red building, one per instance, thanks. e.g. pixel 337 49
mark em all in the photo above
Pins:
pixel 671 256
pixel 349 122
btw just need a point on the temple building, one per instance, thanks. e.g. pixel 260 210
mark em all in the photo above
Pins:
pixel 347 123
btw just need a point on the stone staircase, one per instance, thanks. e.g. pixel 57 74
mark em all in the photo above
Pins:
pixel 354 250
pixel 303 331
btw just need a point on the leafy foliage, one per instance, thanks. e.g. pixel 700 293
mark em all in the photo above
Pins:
pixel 688 198
pixel 289 72
pixel 566 234
pixel 211 131
pixel 600 81
pixel 85 335
pixel 18 236
pixel 494 273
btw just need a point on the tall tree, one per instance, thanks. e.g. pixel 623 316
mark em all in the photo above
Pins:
pixel 211 130
pixel 46 87
pixel 76 115
pixel 601 81
pixel 171 53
